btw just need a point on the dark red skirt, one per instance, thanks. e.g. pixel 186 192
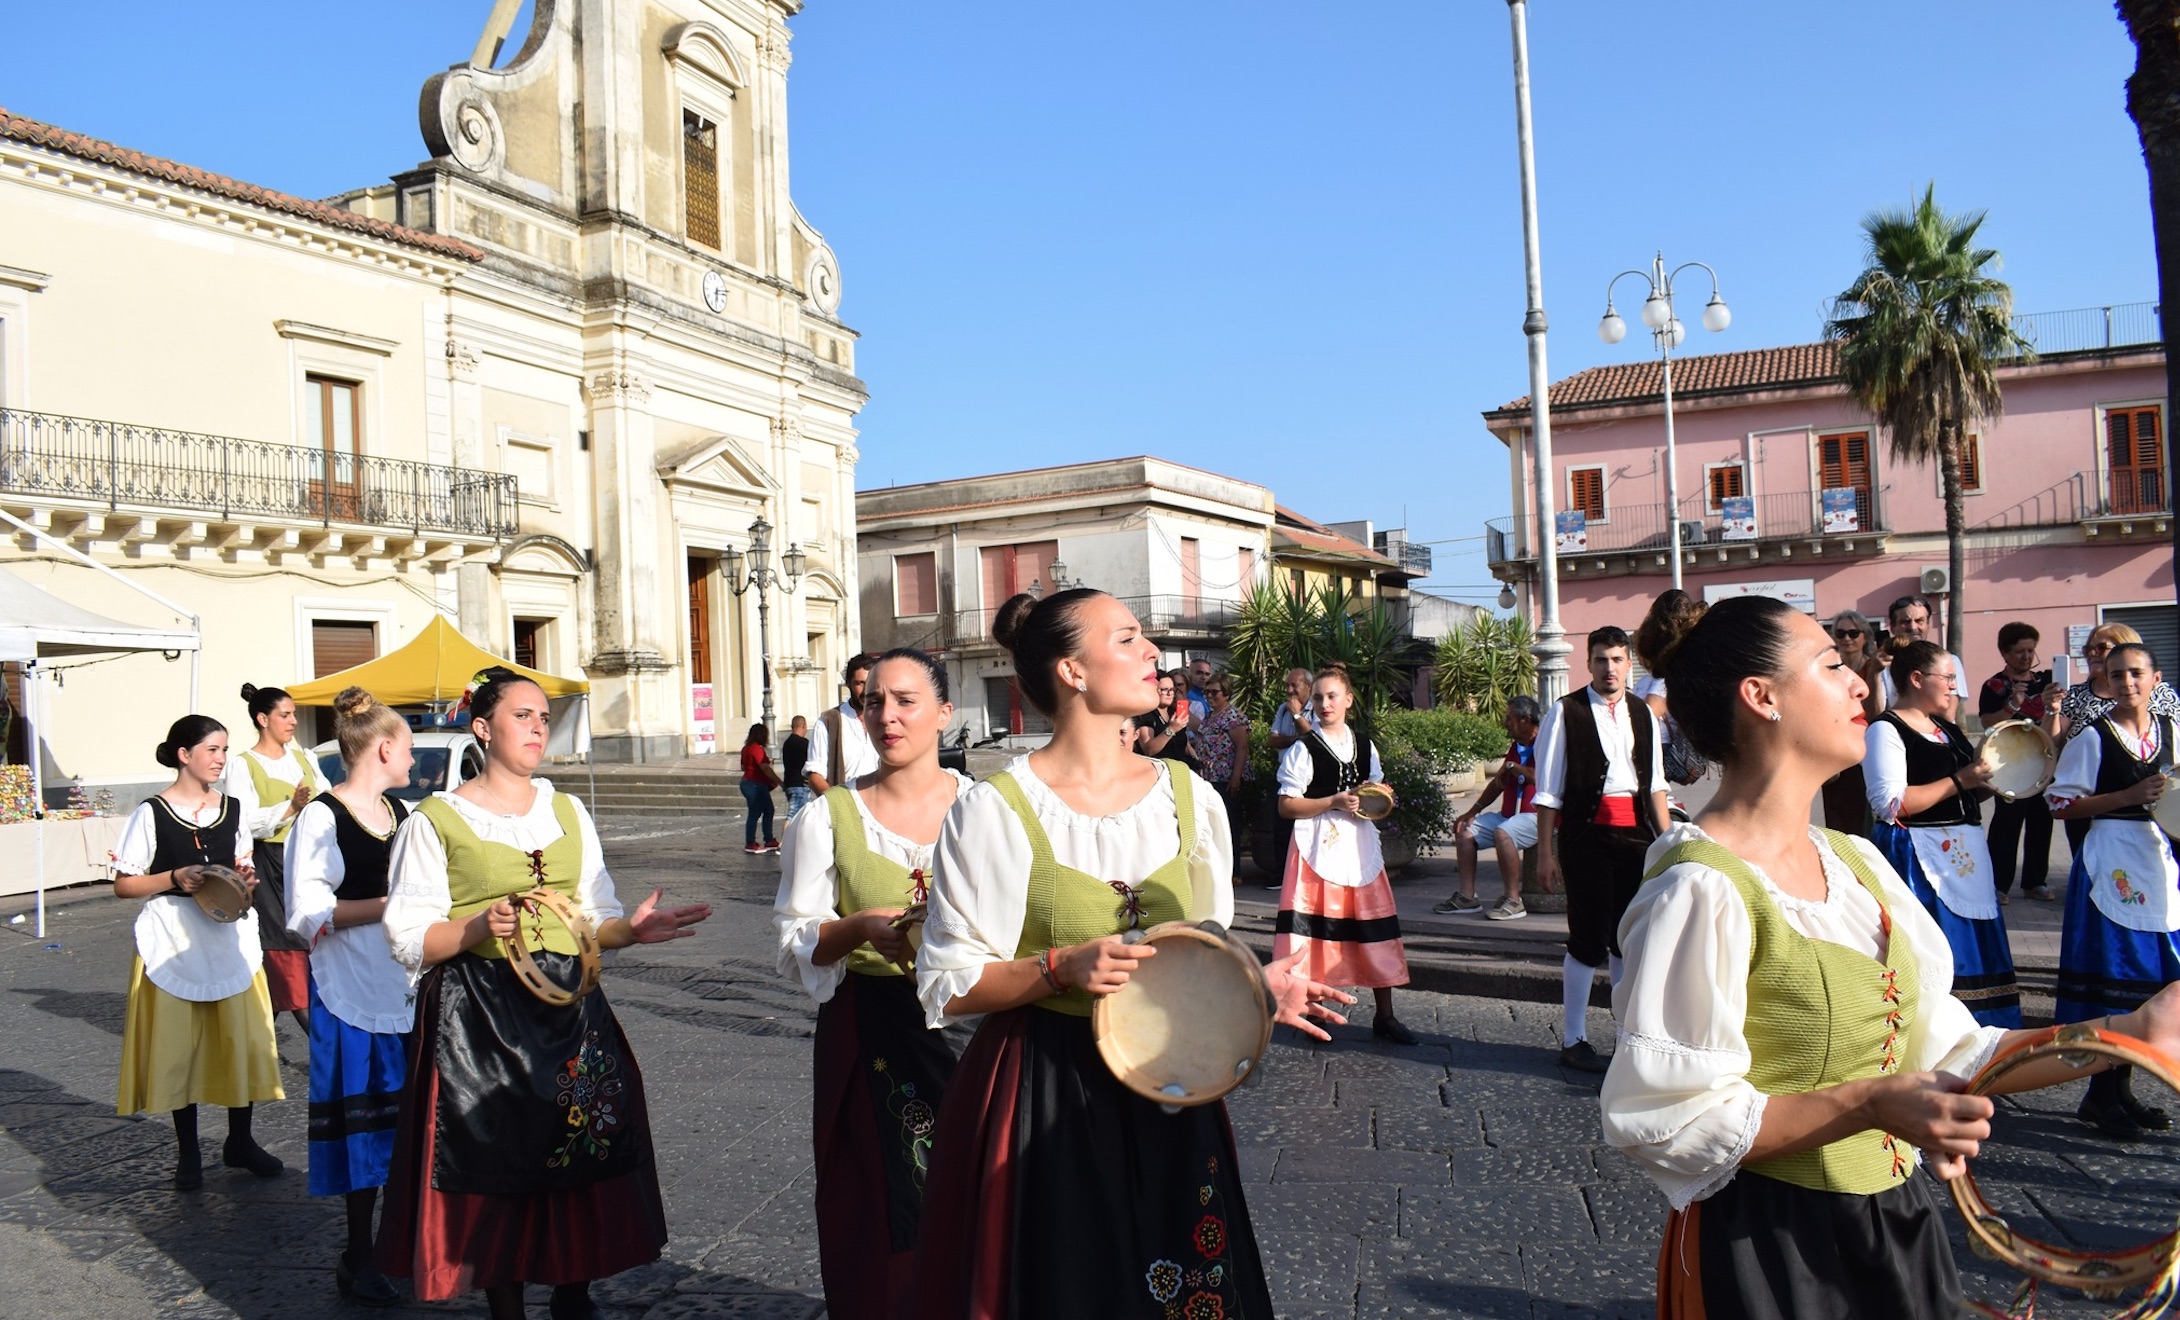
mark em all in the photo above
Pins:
pixel 1057 1193
pixel 880 1077
pixel 449 1242
pixel 287 958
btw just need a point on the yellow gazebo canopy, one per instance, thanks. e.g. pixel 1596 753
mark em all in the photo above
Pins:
pixel 435 667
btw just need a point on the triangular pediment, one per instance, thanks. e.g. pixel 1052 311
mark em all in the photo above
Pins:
pixel 718 463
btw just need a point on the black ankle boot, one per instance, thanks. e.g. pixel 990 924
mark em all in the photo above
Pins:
pixel 2105 1107
pixel 359 1280
pixel 571 1301
pixel 189 1157
pixel 2149 1117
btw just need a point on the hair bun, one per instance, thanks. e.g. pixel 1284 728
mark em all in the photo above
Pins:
pixel 164 755
pixel 249 691
pixel 1012 617
pixel 353 701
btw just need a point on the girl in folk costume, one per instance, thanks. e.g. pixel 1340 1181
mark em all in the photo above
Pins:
pixel 200 1025
pixel 1925 785
pixel 1790 1048
pixel 279 779
pixel 1054 1190
pixel 1336 905
pixel 524 1147
pixel 2118 946
pixel 850 872
pixel 360 1004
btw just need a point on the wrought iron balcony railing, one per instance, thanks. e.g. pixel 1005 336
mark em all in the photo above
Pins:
pixel 155 469
pixel 1630 527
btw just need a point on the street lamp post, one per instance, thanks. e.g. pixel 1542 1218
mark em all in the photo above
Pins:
pixel 1667 332
pixel 1550 647
pixel 763 577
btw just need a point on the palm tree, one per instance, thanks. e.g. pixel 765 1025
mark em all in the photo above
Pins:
pixel 1921 333
pixel 2153 102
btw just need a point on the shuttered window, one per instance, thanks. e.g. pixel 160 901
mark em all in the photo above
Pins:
pixel 1586 491
pixel 1245 570
pixel 1726 481
pixel 1971 465
pixel 2158 624
pixel 916 584
pixel 1843 462
pixel 337 644
pixel 700 178
pixel 529 636
pixel 1009 569
pixel 2134 455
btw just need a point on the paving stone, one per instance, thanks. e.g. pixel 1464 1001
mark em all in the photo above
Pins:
pixel 1287 1125
pixel 1424 1063
pixel 1566 1166
pixel 1399 1277
pixel 1610 1281
pixel 1627 1214
pixel 1281 1091
pixel 1366 1092
pixel 1299 1164
pixel 1407 1128
pixel 1309 1269
pixel 1568 1124
pixel 734 1306
pixel 744 1264
pixel 1614 1166
pixel 1256 1165
pixel 1477 1215
pixel 1357 1209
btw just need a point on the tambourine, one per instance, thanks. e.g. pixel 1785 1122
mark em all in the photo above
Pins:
pixel 221 893
pixel 1192 1023
pixel 1373 802
pixel 2022 757
pixel 2099 1274
pixel 2166 810
pixel 529 909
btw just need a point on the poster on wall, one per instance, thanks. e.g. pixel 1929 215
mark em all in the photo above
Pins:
pixel 1842 512
pixel 1801 593
pixel 700 719
pixel 1737 518
pixel 1571 531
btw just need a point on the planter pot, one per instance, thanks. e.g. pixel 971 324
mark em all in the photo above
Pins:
pixel 1533 898
pixel 1454 783
pixel 1399 850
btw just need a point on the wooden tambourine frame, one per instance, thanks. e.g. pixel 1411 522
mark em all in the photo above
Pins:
pixel 1373 801
pixel 2007 731
pixel 527 971
pixel 2100 1274
pixel 221 893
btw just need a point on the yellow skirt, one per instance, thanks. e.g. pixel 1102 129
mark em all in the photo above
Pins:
pixel 177 1052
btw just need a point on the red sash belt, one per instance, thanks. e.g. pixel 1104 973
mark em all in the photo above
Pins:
pixel 1618 809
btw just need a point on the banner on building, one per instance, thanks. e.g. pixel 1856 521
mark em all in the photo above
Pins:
pixel 701 722
pixel 1801 593
pixel 1573 531
pixel 1842 511
pixel 1737 518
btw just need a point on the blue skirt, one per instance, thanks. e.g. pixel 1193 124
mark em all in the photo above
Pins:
pixel 2105 967
pixel 1983 975
pixel 355 1102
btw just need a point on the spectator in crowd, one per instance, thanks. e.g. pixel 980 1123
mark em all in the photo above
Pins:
pixel 1296 715
pixel 1912 619
pixel 1199 676
pixel 1221 751
pixel 794 759
pixel 758 781
pixel 1844 807
pixel 2020 830
pixel 1511 827
pixel 1165 731
pixel 840 747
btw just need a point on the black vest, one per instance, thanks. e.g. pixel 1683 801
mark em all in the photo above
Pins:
pixel 363 854
pixel 177 842
pixel 1929 763
pixel 1328 773
pixel 1582 788
pixel 2118 768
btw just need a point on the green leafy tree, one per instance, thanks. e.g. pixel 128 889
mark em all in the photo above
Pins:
pixel 1483 663
pixel 1275 631
pixel 2153 102
pixel 1921 333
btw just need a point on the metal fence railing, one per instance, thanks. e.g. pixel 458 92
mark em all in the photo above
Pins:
pixel 1645 526
pixel 2085 328
pixel 157 469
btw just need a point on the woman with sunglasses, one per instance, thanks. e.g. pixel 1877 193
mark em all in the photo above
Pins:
pixel 2090 700
pixel 1844 807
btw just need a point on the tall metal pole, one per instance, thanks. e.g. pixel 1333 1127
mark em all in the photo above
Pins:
pixel 764 645
pixel 1672 467
pixel 1551 645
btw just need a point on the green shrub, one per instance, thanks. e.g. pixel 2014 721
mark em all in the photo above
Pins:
pixel 1421 811
pixel 1449 741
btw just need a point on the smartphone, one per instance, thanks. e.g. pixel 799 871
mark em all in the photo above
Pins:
pixel 2062 670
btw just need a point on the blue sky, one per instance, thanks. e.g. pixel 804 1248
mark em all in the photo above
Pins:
pixel 1277 240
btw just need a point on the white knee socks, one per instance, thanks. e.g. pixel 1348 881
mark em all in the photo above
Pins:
pixel 1575 979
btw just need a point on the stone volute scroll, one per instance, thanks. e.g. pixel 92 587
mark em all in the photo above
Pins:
pixel 461 111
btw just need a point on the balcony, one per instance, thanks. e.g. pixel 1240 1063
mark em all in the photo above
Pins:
pixel 1635 538
pixel 91 481
pixel 1184 619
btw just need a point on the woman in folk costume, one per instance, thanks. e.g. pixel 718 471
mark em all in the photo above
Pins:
pixel 1790 1048
pixel 200 1025
pixel 524 1148
pixel 278 779
pixel 360 1006
pixel 1336 906
pixel 1055 1191
pixel 851 870
pixel 1925 788
pixel 2118 946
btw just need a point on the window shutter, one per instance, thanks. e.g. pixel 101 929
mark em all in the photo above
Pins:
pixel 916 584
pixel 700 178
pixel 1586 491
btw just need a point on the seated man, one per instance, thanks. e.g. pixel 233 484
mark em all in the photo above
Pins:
pixel 1509 829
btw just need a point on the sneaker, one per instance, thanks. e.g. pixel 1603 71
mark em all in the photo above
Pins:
pixel 1580 1057
pixel 1510 909
pixel 1456 903
pixel 2041 893
pixel 753 848
pixel 772 845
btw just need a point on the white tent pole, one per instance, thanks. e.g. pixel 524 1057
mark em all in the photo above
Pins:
pixel 196 624
pixel 34 707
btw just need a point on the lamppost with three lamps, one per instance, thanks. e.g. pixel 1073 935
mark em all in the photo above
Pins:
pixel 763 577
pixel 1667 332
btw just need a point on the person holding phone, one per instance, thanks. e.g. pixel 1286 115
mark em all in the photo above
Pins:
pixel 2021 829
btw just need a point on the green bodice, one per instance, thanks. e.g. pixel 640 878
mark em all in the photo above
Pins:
pixel 481 873
pixel 271 790
pixel 864 880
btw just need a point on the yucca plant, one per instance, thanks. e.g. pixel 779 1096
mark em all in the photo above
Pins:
pixel 1274 632
pixel 1483 663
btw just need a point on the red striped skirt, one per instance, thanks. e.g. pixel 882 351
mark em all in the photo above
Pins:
pixel 1352 935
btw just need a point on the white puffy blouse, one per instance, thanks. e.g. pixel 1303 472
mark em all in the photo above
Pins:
pixel 417 895
pixel 809 888
pixel 980 869
pixel 1678 1098
pixel 355 972
pixel 262 819
pixel 185 952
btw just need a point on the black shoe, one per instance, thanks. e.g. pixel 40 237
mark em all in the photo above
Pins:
pixel 2148 1117
pixel 1390 1029
pixel 1580 1057
pixel 247 1154
pixel 572 1302
pixel 365 1286
pixel 2110 1118
pixel 188 1177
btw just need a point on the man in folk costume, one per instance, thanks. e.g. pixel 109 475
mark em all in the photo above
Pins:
pixel 1600 801
pixel 840 750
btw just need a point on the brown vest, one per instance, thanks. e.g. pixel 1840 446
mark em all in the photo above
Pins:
pixel 1584 784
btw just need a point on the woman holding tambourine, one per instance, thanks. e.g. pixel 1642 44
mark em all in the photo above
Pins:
pixel 1926 787
pixel 1055 1191
pixel 854 874
pixel 200 1025
pixel 524 1151
pixel 278 779
pixel 1790 1047
pixel 2123 896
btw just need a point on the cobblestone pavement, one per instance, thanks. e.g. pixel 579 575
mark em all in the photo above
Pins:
pixel 1461 1178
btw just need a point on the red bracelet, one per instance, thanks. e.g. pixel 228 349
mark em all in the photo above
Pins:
pixel 1051 972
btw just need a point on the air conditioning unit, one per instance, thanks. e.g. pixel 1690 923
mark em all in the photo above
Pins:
pixel 1937 582
pixel 1691 531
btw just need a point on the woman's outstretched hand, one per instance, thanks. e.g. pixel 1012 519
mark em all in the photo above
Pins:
pixel 653 924
pixel 1300 999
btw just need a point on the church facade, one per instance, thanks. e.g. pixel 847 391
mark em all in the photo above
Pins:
pixel 559 382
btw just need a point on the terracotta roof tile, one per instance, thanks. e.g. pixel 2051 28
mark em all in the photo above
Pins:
pixel 1310 536
pixel 37 134
pixel 1641 382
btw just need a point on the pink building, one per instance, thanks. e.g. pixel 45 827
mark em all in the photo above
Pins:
pixel 2069 518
